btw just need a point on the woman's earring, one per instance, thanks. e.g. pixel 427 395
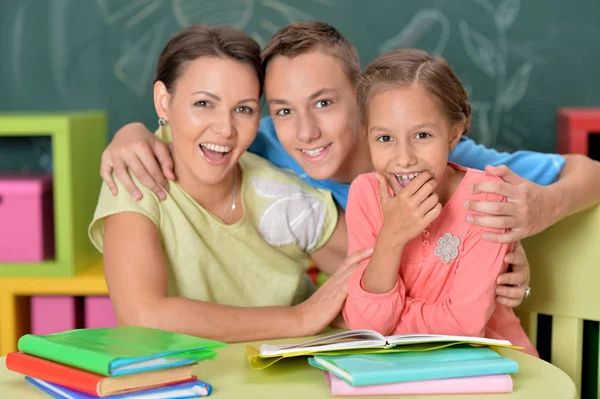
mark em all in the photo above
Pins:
pixel 162 122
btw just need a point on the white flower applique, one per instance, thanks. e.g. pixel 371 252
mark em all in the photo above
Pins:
pixel 447 247
pixel 294 217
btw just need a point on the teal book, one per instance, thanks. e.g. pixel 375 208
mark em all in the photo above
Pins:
pixel 388 368
pixel 120 350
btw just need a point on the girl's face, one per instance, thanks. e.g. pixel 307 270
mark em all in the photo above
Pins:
pixel 409 133
pixel 213 113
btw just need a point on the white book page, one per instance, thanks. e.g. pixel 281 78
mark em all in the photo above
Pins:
pixel 346 340
pixel 394 340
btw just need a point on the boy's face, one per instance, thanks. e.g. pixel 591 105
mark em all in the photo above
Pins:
pixel 313 105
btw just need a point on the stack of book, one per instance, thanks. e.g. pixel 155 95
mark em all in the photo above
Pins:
pixel 120 362
pixel 363 362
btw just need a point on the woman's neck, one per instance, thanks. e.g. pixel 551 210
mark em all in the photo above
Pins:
pixel 357 162
pixel 216 198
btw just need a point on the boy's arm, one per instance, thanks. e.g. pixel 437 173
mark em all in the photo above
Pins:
pixel 541 188
pixel 532 208
pixel 134 148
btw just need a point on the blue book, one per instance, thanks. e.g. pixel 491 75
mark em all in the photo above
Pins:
pixel 387 368
pixel 184 390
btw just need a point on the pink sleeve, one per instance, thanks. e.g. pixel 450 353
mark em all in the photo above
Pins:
pixel 364 218
pixel 469 304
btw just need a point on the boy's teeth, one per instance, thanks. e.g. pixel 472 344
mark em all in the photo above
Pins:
pixel 315 152
pixel 216 148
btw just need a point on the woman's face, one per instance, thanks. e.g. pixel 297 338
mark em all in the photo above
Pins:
pixel 213 113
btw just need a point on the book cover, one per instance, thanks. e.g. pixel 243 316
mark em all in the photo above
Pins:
pixel 501 383
pixel 192 389
pixel 386 368
pixel 120 350
pixel 90 383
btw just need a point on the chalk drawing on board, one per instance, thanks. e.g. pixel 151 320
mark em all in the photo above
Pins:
pixel 233 13
pixel 136 66
pixel 114 11
pixel 430 30
pixel 420 25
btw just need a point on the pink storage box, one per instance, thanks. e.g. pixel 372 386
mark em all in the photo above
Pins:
pixel 51 314
pixel 26 218
pixel 99 312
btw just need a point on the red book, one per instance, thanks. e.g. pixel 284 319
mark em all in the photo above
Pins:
pixel 91 383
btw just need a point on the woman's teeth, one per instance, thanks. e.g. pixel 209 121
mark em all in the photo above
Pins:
pixel 315 152
pixel 216 148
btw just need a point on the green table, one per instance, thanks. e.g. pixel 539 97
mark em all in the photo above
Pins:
pixel 232 377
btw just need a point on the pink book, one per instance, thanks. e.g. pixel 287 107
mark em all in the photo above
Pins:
pixel 501 383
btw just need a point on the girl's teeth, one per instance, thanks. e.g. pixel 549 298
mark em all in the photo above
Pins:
pixel 216 148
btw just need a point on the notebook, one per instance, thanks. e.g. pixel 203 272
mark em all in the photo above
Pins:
pixel 192 389
pixel 365 341
pixel 120 350
pixel 386 368
pixel 90 383
pixel 470 385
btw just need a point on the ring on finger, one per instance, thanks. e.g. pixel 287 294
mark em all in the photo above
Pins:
pixel 527 290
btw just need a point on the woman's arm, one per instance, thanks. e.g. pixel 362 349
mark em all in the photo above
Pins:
pixel 329 257
pixel 137 280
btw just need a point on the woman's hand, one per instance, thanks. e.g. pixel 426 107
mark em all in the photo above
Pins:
pixel 135 148
pixel 529 209
pixel 324 306
pixel 512 285
pixel 411 209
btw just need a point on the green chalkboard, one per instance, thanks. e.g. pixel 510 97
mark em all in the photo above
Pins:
pixel 520 59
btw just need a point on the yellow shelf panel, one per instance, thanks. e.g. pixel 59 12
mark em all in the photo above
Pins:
pixel 16 291
pixel 89 281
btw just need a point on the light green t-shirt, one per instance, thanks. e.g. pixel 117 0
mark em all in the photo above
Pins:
pixel 259 261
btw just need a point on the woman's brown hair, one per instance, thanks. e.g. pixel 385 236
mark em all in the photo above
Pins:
pixel 198 41
pixel 404 67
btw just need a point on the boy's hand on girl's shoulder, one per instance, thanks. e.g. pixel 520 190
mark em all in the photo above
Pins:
pixel 410 210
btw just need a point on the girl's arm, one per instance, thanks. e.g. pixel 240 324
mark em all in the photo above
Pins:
pixel 376 290
pixel 136 275
pixel 467 307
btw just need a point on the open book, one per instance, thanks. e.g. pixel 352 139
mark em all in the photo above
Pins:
pixel 368 339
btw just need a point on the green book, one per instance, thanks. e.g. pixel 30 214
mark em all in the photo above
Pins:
pixel 120 350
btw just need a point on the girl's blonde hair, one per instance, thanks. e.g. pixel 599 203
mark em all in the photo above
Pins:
pixel 404 67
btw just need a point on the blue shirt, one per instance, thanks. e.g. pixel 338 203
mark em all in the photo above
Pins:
pixel 542 169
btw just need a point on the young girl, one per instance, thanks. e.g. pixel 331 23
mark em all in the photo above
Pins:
pixel 431 271
pixel 224 256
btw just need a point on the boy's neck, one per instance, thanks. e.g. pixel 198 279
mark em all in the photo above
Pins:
pixel 357 162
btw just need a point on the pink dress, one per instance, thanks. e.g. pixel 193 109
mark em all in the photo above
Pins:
pixel 447 277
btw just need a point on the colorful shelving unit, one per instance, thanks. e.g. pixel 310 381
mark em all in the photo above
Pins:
pixel 78 140
pixel 16 293
pixel 32 291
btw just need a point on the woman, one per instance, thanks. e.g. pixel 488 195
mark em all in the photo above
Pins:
pixel 225 255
